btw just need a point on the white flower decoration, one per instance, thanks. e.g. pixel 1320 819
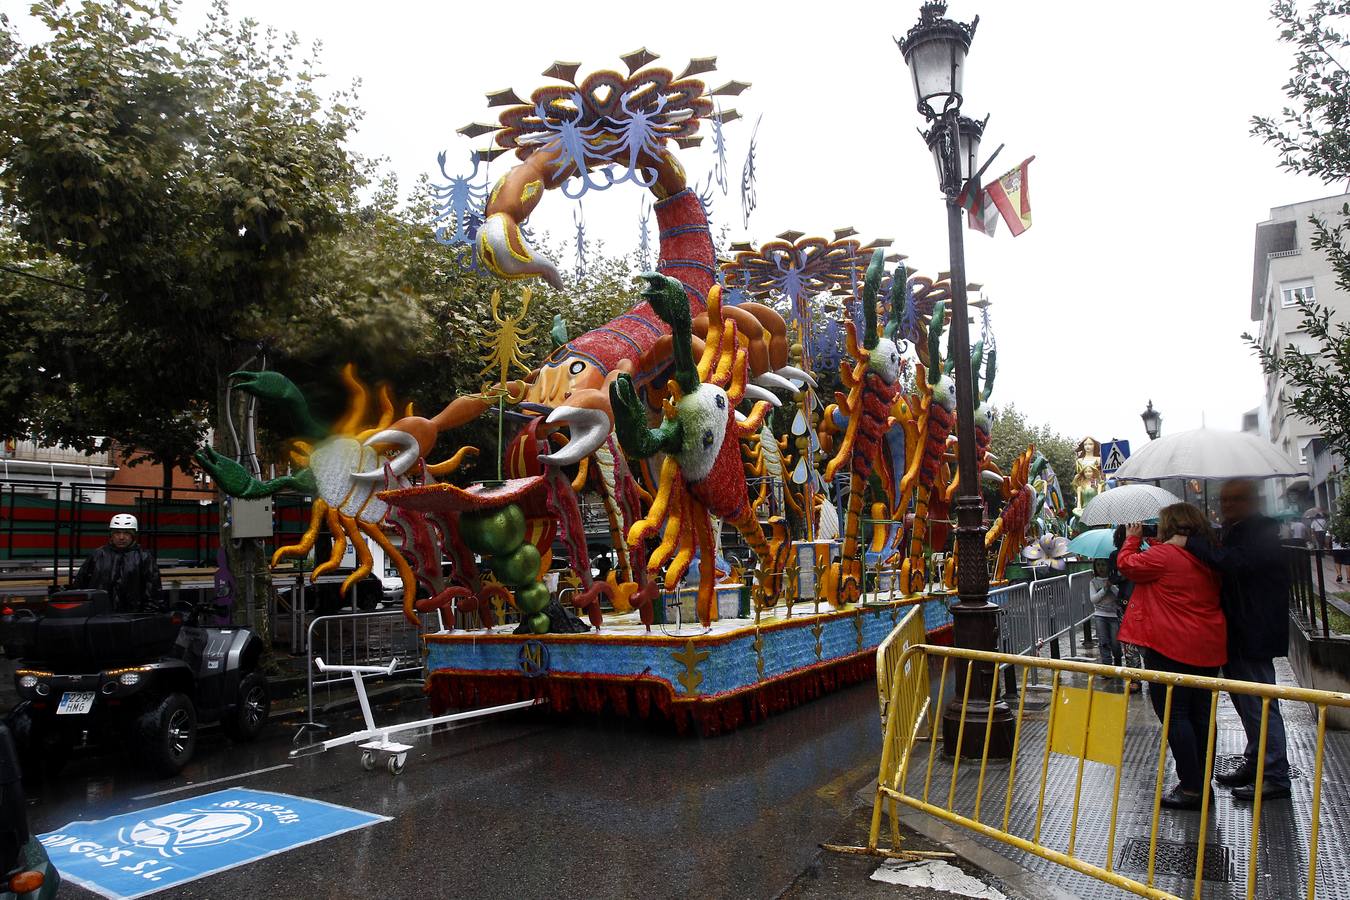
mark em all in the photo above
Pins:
pixel 1049 550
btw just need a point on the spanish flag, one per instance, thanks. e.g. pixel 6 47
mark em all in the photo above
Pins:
pixel 1012 197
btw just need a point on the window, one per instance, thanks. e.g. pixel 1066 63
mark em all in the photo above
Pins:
pixel 1291 292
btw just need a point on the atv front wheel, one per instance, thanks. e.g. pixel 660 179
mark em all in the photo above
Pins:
pixel 168 733
pixel 43 748
pixel 254 702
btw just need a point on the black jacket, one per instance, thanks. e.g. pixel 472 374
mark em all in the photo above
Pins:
pixel 1255 593
pixel 1123 585
pixel 130 577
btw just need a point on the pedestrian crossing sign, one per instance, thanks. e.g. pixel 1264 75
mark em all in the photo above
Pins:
pixel 1114 454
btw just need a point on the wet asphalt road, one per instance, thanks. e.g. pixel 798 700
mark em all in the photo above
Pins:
pixel 526 806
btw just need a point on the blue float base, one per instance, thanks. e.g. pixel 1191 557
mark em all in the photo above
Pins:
pixel 706 681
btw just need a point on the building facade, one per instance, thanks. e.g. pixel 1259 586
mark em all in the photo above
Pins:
pixel 28 467
pixel 1285 270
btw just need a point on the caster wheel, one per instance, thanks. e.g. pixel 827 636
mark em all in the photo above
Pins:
pixel 368 760
pixel 396 763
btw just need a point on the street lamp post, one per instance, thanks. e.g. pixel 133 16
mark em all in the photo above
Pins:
pixel 1152 422
pixel 935 51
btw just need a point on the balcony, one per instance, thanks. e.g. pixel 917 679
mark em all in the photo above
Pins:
pixel 30 451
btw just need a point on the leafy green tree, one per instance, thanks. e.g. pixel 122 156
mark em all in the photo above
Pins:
pixel 1312 136
pixel 180 181
pixel 1340 519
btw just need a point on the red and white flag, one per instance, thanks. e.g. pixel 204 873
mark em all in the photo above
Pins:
pixel 981 215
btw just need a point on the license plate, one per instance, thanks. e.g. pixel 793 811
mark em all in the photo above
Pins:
pixel 75 703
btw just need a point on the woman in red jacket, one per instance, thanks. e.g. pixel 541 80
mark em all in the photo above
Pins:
pixel 1174 615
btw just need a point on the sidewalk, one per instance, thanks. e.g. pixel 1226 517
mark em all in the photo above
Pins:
pixel 1283 848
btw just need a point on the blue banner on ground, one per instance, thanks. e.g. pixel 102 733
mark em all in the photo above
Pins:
pixel 138 853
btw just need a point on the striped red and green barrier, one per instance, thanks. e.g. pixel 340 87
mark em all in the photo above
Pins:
pixel 36 527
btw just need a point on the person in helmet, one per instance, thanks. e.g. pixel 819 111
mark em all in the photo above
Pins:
pixel 122 568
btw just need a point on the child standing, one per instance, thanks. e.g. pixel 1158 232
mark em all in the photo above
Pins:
pixel 1106 606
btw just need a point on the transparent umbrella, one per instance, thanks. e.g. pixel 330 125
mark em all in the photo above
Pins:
pixel 1127 503
pixel 1208 453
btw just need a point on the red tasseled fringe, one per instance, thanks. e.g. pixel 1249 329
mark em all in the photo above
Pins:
pixel 647 699
pixel 940 636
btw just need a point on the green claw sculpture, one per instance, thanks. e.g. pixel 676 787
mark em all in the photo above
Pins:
pixel 237 481
pixel 668 300
pixel 277 388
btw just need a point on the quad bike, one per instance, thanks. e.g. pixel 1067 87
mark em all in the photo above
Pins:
pixel 86 674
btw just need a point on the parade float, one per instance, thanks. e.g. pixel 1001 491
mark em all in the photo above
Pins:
pixel 665 416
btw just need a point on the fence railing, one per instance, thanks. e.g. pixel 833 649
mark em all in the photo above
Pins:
pixel 58 525
pixel 363 639
pixel 1307 585
pixel 1037 613
pixel 1084 744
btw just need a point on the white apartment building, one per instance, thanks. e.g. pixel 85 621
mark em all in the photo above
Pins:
pixel 1286 268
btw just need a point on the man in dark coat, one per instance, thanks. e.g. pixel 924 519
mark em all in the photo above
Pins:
pixel 1255 600
pixel 122 568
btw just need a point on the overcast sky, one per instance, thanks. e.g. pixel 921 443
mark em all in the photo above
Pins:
pixel 1134 282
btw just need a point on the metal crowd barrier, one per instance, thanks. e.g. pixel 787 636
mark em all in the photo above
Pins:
pixel 1088 724
pixel 909 632
pixel 1017 626
pixel 1037 613
pixel 364 639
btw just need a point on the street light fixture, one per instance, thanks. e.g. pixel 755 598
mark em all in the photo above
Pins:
pixel 935 50
pixel 952 177
pixel 1152 422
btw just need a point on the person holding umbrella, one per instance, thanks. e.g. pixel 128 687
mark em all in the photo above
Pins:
pixel 1255 597
pixel 1174 615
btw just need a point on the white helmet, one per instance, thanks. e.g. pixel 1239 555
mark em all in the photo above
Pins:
pixel 123 522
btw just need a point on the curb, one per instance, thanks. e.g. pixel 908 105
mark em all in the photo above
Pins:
pixel 962 843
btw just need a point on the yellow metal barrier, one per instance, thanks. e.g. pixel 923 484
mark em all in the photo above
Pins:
pixel 902 691
pixel 1087 723
pixel 909 632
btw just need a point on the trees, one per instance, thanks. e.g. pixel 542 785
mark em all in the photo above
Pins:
pixel 180 182
pixel 1312 136
pixel 1013 433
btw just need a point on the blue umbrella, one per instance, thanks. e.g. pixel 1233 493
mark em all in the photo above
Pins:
pixel 1097 543
pixel 1094 544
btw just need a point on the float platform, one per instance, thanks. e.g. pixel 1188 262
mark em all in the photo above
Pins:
pixel 705 681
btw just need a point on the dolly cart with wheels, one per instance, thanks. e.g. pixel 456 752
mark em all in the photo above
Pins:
pixel 378 749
